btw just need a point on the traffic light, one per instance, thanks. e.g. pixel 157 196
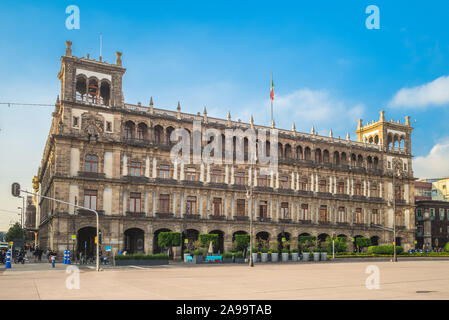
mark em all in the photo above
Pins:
pixel 15 189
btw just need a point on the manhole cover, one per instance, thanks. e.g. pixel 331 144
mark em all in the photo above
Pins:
pixel 424 291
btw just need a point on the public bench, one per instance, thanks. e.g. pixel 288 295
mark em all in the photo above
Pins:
pixel 214 259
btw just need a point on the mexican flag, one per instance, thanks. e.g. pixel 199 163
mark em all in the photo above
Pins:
pixel 272 88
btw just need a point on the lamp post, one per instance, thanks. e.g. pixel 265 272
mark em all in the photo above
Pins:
pixel 249 196
pixel 397 169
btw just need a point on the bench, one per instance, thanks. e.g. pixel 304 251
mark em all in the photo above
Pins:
pixel 189 259
pixel 214 259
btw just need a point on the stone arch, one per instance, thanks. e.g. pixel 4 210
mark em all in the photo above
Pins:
pixel 81 87
pixel 280 237
pixel 299 154
pixel 134 240
pixel 287 151
pixel 129 129
pixel 220 239
pixel 156 248
pixel 336 158
pixel 375 240
pixel 326 156
pixel 105 92
pixel 191 235
pixel 322 238
pixel 307 153
pixel 86 241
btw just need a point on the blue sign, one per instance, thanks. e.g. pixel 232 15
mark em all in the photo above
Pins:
pixel 108 248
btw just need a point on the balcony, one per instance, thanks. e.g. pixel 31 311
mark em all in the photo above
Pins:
pixel 286 191
pixel 285 220
pixel 138 179
pixel 358 169
pixel 305 193
pixel 327 195
pixel 92 175
pixel 324 223
pixel 263 219
pixel 343 224
pixel 342 196
pixel 87 213
pixel 192 216
pixel 135 214
pixel 165 215
pixel 358 197
pixel 241 218
pixel 288 161
pixel 376 199
pixel 136 142
pixel 263 189
pixel 305 221
pixel 217 217
pixel 191 183
pixel 375 171
pixel 305 162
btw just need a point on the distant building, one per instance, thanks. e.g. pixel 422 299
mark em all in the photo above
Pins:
pixel 440 189
pixel 423 190
pixel 432 223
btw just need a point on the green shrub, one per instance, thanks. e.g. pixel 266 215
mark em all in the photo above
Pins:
pixel 285 250
pixel 141 256
pixel 363 242
pixel 228 255
pixel 446 247
pixel 295 250
pixel 198 252
pixel 241 241
pixel 169 239
pixel 340 244
pixel 384 249
pixel 238 254
pixel 264 250
pixel 206 238
pixel 186 251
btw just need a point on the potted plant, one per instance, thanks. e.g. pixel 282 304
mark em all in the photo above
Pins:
pixel 186 253
pixel 198 255
pixel 228 257
pixel 295 254
pixel 264 254
pixel 285 255
pixel 316 254
pixel 323 254
pixel 255 255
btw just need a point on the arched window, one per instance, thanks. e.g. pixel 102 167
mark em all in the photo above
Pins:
pixel 92 91
pixel 105 93
pixel 307 153
pixel 326 157
pixel 81 88
pixel 129 130
pixel 141 131
pixel 318 158
pixel 299 153
pixel 288 151
pixel 91 163
pixel 158 133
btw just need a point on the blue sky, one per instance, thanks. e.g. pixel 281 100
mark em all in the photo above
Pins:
pixel 329 69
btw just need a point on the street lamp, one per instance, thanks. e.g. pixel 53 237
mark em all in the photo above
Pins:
pixel 397 169
pixel 249 196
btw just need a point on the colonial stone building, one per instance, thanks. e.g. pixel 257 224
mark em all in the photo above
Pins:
pixel 114 157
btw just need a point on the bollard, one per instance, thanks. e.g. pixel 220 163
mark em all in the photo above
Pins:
pixel 8 260
pixel 65 257
pixel 68 257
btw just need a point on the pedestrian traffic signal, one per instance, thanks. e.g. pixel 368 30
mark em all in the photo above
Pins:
pixel 15 189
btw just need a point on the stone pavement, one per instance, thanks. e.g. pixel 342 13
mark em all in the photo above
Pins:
pixel 402 280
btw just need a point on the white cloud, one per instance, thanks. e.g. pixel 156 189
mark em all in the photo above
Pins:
pixel 309 107
pixel 432 93
pixel 435 164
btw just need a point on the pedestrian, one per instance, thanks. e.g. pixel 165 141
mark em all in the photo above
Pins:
pixel 53 259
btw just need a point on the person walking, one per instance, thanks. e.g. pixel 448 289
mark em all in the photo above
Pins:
pixel 52 259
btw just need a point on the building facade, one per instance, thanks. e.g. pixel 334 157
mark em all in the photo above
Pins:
pixel 114 157
pixel 432 224
pixel 423 190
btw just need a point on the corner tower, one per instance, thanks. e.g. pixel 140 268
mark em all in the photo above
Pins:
pixel 393 136
pixel 89 81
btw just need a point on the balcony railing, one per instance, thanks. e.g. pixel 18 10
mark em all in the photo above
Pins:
pixel 342 224
pixel 217 217
pixel 324 194
pixel 136 141
pixel 190 216
pixel 135 214
pixel 88 174
pixel 324 222
pixel 165 215
pixel 285 220
pixel 241 218
pixel 358 197
pixel 263 219
pixel 305 221
pixel 87 213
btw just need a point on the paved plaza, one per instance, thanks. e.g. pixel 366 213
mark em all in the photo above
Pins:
pixel 403 280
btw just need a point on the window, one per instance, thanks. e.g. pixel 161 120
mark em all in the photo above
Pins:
pixel 140 133
pixel 284 210
pixel 128 132
pixel 323 213
pixel 240 178
pixel 373 191
pixel 441 214
pixel 91 163
pixel 399 193
pixel 163 171
pixel 191 174
pixel 240 207
pixel 358 216
pixel 418 213
pixel 76 122
pixel 164 203
pixel 217 206
pixel 135 168
pixel 341 187
pixel 263 180
pixel 358 189
pixel 263 209
pixel 323 186
pixel 108 126
pixel 304 214
pixel 191 205
pixel 375 217
pixel 134 202
pixel 216 176
pixel 304 186
pixel 90 199
pixel 283 182
pixel 405 167
pixel 341 214
pixel 389 164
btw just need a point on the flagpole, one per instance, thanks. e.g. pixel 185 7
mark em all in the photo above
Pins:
pixel 271 110
pixel 271 98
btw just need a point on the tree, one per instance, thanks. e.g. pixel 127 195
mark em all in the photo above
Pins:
pixel 241 241
pixel 15 232
pixel 363 242
pixel 340 244
pixel 169 239
pixel 2 236
pixel 206 238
